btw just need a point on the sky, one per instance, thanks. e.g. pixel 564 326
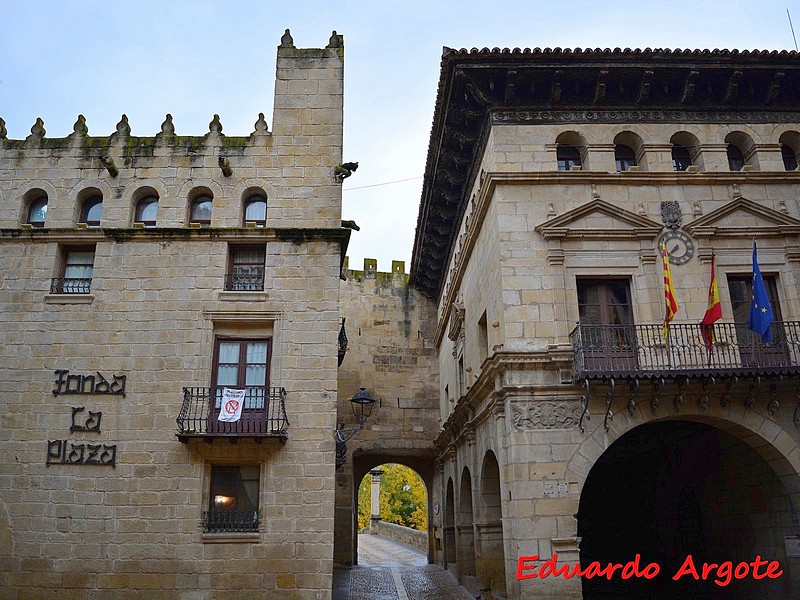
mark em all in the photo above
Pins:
pixel 195 58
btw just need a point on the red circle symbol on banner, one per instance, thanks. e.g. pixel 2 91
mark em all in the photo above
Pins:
pixel 231 406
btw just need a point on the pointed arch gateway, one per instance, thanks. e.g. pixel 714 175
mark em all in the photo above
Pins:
pixel 678 487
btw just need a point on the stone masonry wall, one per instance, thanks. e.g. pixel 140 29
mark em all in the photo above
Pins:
pixel 157 301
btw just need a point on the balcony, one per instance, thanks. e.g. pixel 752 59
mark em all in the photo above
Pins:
pixel 263 415
pixel 640 351
pixel 250 279
pixel 71 285
pixel 230 521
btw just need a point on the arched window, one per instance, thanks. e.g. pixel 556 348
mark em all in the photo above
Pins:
pixel 568 157
pixel 735 158
pixel 625 157
pixel 789 158
pixel 37 211
pixel 147 211
pixel 92 211
pixel 681 159
pixel 255 211
pixel 201 211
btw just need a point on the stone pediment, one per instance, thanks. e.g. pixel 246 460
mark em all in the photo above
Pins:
pixel 744 218
pixel 599 220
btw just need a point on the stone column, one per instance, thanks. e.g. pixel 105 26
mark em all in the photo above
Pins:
pixel 376 500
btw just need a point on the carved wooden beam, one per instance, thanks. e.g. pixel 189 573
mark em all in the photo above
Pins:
pixel 689 87
pixel 732 90
pixel 511 88
pixel 600 89
pixel 775 87
pixel 555 90
pixel 644 87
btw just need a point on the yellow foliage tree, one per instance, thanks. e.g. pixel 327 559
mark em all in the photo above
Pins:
pixel 403 498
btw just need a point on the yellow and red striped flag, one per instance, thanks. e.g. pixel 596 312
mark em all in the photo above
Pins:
pixel 670 299
pixel 713 312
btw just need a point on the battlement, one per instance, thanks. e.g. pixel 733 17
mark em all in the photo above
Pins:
pixel 292 164
pixel 370 271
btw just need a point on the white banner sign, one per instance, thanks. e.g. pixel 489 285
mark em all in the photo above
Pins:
pixel 232 403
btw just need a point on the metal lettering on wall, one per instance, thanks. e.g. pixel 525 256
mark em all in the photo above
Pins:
pixel 67 452
pixel 88 384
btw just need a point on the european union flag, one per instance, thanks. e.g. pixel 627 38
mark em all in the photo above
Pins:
pixel 761 316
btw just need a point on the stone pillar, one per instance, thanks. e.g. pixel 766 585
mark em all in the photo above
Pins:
pixel 376 500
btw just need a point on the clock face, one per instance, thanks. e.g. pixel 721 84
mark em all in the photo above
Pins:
pixel 679 247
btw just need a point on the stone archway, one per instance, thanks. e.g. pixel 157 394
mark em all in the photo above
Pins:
pixel 466 533
pixel 668 489
pixel 363 462
pixel 491 560
pixel 450 528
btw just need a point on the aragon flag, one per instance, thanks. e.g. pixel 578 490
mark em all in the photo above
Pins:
pixel 713 312
pixel 670 300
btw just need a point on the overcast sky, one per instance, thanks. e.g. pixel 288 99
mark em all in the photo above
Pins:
pixel 194 58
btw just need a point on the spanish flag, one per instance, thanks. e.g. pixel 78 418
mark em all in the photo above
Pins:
pixel 713 312
pixel 669 292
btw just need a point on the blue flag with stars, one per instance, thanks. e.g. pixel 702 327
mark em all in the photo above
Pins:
pixel 761 316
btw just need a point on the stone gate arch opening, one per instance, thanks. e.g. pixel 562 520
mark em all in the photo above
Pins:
pixel 670 489
pixel 392 501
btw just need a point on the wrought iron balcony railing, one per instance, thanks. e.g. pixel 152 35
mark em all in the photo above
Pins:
pixel 230 521
pixel 263 414
pixel 342 342
pixel 642 351
pixel 71 285
pixel 249 280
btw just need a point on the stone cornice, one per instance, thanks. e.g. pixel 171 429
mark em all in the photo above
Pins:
pixel 490 387
pixel 223 234
pixel 772 222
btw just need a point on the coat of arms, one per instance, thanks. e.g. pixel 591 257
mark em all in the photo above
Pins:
pixel 671 214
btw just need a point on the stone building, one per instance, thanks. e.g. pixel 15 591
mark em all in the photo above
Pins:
pixel 140 277
pixel 552 179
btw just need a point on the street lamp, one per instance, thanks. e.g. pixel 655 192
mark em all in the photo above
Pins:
pixel 362 404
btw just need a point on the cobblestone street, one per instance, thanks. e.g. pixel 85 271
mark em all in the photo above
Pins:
pixel 388 570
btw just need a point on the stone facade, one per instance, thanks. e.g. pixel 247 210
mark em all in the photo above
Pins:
pixel 118 510
pixel 523 469
pixel 391 354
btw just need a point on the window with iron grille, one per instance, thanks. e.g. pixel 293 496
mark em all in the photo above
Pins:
pixel 246 268
pixel 76 271
pixel 233 500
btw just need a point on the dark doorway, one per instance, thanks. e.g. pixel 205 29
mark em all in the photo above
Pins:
pixel 670 489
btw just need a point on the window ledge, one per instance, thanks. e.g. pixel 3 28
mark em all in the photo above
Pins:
pixel 231 538
pixel 68 299
pixel 244 296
